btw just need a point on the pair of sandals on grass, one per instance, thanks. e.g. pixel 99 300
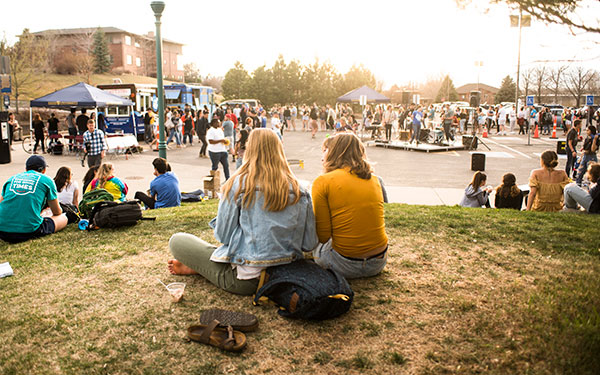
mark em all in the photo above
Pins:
pixel 223 329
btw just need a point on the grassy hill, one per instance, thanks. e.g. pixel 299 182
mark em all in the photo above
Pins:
pixel 465 291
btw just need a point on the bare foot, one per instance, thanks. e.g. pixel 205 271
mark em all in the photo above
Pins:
pixel 178 268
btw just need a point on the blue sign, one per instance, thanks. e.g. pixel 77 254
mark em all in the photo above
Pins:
pixel 589 100
pixel 529 100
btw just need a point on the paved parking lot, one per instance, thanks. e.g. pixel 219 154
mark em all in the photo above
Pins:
pixel 410 176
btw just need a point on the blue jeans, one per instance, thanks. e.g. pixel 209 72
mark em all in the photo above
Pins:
pixel 326 257
pixel 575 195
pixel 186 135
pixel 220 157
pixel 416 132
pixel 585 160
pixel 174 133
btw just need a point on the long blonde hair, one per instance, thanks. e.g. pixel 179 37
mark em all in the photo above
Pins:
pixel 345 150
pixel 266 169
pixel 104 174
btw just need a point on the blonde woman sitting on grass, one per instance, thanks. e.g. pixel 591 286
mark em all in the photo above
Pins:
pixel 264 219
pixel 547 185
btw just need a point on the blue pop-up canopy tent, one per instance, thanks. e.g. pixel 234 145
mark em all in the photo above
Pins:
pixel 80 95
pixel 372 96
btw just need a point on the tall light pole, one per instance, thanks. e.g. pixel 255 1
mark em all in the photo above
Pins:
pixel 519 60
pixel 158 7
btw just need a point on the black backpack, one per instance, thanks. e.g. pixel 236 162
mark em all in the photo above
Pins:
pixel 116 214
pixel 304 290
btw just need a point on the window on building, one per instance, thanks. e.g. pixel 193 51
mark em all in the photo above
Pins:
pixel 129 60
pixel 127 40
pixel 137 44
pixel 138 61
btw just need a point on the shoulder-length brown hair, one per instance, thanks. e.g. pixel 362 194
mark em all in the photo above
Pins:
pixel 345 150
pixel 265 168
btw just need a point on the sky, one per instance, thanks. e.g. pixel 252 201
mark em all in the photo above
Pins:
pixel 401 42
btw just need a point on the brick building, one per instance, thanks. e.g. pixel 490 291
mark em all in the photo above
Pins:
pixel 487 92
pixel 130 52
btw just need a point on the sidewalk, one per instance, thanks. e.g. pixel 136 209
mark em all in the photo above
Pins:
pixel 423 195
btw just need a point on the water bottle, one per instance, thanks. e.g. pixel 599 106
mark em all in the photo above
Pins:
pixel 83 224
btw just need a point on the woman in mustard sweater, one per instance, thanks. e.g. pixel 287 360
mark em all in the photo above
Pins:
pixel 348 202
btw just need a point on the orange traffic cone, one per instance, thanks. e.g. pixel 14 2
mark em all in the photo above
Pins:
pixel 536 132
pixel 554 130
pixel 484 135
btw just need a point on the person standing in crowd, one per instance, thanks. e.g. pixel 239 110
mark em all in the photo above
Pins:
pixel 201 129
pixel 240 146
pixel 72 128
pixel 572 139
pixel 95 144
pixel 590 148
pixel 164 189
pixel 547 185
pixel 23 198
pixel 508 195
pixel 386 121
pixel 447 122
pixel 287 117
pixel 294 113
pixel 463 117
pixel 38 128
pixel 148 131
pixel 352 239
pixel 217 147
pixel 521 120
pixel 228 132
pixel 66 186
pixel 314 116
pixel 417 118
pixel 475 194
pixel 81 122
pixel 52 124
pixel 13 125
pixel 188 127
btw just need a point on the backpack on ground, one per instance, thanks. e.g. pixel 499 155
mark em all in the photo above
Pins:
pixel 91 198
pixel 116 214
pixel 304 290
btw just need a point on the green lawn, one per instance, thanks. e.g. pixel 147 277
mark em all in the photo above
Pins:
pixel 465 291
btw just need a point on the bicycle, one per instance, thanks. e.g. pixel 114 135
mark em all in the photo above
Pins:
pixel 28 142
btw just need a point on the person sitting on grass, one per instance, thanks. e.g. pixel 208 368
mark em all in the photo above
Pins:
pixel 264 219
pixel 508 195
pixel 547 185
pixel 575 195
pixel 23 198
pixel 68 190
pixel 348 202
pixel 164 189
pixel 90 175
pixel 107 180
pixel 475 194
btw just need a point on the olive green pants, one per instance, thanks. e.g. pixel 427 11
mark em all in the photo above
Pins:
pixel 195 253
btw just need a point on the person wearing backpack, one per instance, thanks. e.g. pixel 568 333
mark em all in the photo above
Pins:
pixel 265 219
pixel 348 202
pixel 23 198
pixel 106 180
pixel 164 189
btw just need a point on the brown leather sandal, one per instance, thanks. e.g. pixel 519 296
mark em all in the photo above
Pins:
pixel 223 338
pixel 240 321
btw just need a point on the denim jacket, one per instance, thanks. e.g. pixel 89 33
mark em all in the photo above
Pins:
pixel 256 237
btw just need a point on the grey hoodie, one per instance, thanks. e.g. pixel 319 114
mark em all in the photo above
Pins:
pixel 474 198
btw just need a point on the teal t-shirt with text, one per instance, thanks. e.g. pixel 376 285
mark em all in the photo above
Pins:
pixel 25 195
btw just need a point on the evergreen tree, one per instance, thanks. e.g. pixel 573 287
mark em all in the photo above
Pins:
pixel 507 91
pixel 102 58
pixel 447 91
pixel 235 83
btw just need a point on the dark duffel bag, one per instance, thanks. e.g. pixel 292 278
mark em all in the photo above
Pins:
pixel 116 214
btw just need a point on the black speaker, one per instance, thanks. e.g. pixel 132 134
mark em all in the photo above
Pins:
pixel 4 138
pixel 561 147
pixel 424 135
pixel 477 162
pixel 467 140
pixel 475 99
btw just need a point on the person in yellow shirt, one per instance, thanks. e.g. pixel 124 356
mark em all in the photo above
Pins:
pixel 348 203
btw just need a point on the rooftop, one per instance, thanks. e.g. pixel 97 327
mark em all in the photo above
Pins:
pixel 106 30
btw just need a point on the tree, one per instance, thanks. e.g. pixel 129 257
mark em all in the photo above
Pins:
pixel 555 81
pixel 431 87
pixel 447 91
pixel 214 82
pixel 507 90
pixel 27 58
pixel 279 74
pixel 577 81
pixel 356 77
pixel 527 80
pixel 320 83
pixel 235 82
pixel 102 58
pixel 539 82
pixel 260 86
pixel 191 73
pixel 561 12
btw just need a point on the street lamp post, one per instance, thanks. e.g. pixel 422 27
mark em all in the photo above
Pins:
pixel 158 7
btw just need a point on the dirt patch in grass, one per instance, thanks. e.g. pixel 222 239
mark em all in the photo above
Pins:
pixel 455 297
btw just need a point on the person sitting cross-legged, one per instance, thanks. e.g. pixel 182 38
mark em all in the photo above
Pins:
pixel 264 219
pixel 164 189
pixel 575 195
pixel 23 198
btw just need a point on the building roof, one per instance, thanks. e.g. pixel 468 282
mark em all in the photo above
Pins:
pixel 465 89
pixel 91 30
pixel 80 95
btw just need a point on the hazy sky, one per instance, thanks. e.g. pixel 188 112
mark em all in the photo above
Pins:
pixel 399 41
